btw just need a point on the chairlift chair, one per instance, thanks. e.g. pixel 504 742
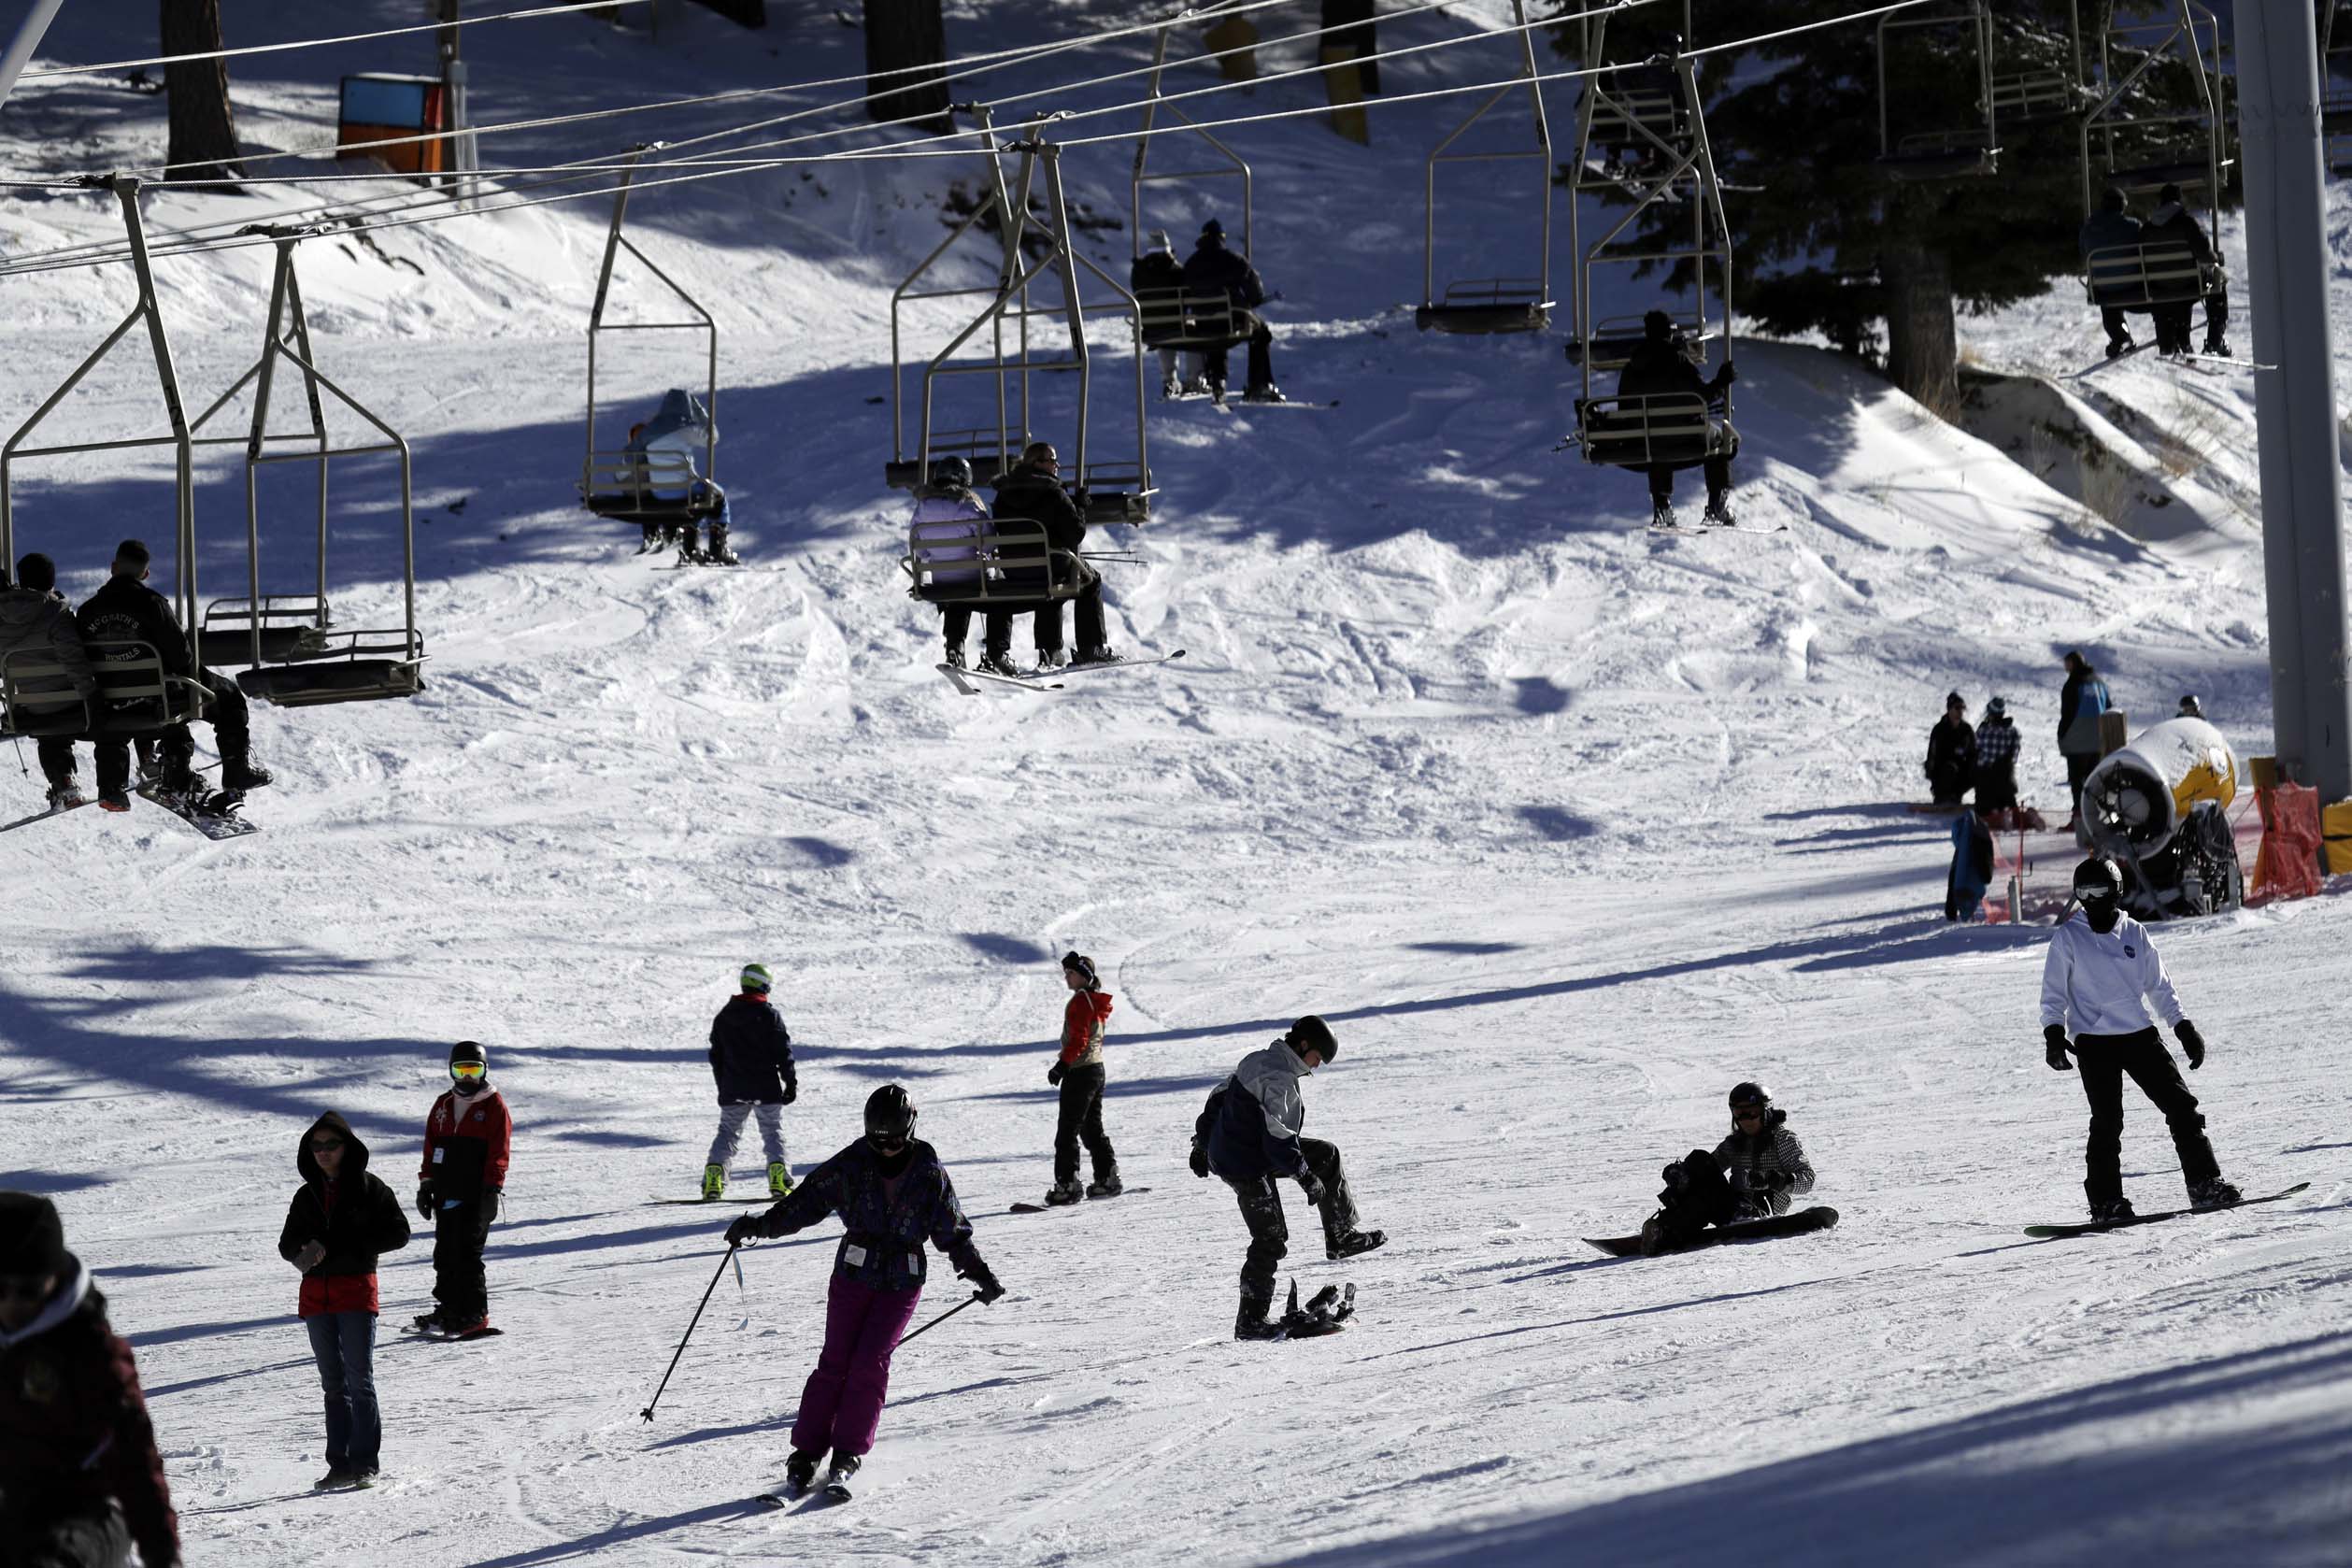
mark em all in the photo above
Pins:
pixel 1222 162
pixel 2138 148
pixel 1493 304
pixel 135 694
pixel 1967 149
pixel 994 564
pixel 2142 276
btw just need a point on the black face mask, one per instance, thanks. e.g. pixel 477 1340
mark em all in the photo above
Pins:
pixel 2101 914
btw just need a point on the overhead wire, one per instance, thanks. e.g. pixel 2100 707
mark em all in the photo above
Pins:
pixel 917 149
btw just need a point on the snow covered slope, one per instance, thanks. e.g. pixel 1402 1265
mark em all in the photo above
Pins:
pixel 1565 826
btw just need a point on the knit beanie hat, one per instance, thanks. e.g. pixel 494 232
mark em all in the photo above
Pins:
pixel 32 1237
pixel 755 977
pixel 1082 967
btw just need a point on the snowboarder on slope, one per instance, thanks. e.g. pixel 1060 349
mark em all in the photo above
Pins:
pixel 468 1135
pixel 35 619
pixel 1078 1070
pixel 1951 754
pixel 751 1058
pixel 1249 1134
pixel 79 1478
pixel 1995 757
pixel 2097 975
pixel 1751 1175
pixel 1660 366
pixel 892 1195
pixel 341 1216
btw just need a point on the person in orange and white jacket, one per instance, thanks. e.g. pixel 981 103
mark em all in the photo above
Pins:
pixel 467 1135
pixel 1078 1072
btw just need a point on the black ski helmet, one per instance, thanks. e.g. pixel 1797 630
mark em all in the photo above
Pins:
pixel 2099 880
pixel 1311 1033
pixel 890 1113
pixel 468 1050
pixel 1750 1094
pixel 952 471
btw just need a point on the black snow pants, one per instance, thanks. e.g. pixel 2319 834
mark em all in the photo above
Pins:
pixel 1082 1118
pixel 1260 352
pixel 459 1231
pixel 1261 1201
pixel 1701 1199
pixel 2101 1061
pixel 79 1541
pixel 1718 472
pixel 231 735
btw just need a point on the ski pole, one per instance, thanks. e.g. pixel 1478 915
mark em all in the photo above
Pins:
pixel 942 1317
pixel 689 1329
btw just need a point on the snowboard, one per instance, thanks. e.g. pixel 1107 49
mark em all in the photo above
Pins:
pixel 436 1337
pixel 1802 1222
pixel 1327 1312
pixel 141 788
pixel 1120 664
pixel 655 1202
pixel 2048 1232
pixel 213 814
pixel 1048 1208
pixel 1677 531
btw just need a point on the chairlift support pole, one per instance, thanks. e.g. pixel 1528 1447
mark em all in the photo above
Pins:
pixel 28 38
pixel 1153 108
pixel 2287 264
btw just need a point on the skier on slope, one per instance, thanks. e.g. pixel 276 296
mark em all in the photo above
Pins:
pixel 1248 1133
pixel 2097 975
pixel 1950 767
pixel 340 1219
pixel 468 1135
pixel 751 1058
pixel 1751 1175
pixel 79 1478
pixel 1659 367
pixel 1078 1070
pixel 892 1195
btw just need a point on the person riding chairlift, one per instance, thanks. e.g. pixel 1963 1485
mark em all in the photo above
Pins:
pixel 1660 366
pixel 682 425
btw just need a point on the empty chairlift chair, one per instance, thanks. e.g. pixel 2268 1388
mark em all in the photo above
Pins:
pixel 2160 118
pixel 1499 303
pixel 1936 118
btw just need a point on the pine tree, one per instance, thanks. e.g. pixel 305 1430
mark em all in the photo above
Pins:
pixel 203 131
pixel 901 34
pixel 1826 240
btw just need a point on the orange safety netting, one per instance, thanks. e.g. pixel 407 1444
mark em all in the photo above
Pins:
pixel 2286 865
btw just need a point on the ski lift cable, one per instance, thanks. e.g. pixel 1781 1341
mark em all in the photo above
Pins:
pixel 38 264
pixel 992 59
pixel 322 43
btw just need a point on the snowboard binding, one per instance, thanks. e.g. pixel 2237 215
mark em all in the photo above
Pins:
pixel 1326 1312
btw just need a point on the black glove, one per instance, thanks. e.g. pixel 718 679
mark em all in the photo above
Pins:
pixel 488 1204
pixel 1675 1176
pixel 1200 1161
pixel 425 1200
pixel 792 1092
pixel 1312 1188
pixel 2191 1042
pixel 1053 1073
pixel 1776 1181
pixel 742 1228
pixel 984 1283
pixel 2054 1037
pixel 1726 376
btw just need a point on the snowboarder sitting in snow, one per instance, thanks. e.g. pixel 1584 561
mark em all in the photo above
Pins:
pixel 1212 269
pixel 2112 226
pixel 1033 490
pixel 2097 976
pixel 1660 366
pixel 79 1477
pixel 1951 754
pixel 1996 758
pixel 1751 1175
pixel 751 1058
pixel 1249 1134
pixel 340 1219
pixel 1078 1070
pixel 468 1135
pixel 1156 278
pixel 892 1195
pixel 1971 866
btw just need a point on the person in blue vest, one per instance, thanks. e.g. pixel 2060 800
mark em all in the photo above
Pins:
pixel 2080 702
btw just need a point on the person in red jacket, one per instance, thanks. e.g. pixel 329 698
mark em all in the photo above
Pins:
pixel 340 1219
pixel 81 1480
pixel 467 1140
pixel 1078 1073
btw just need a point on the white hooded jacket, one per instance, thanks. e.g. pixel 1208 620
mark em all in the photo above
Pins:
pixel 2100 985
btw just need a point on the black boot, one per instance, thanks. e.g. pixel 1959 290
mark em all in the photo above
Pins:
pixel 1348 1244
pixel 240 774
pixel 1251 1323
pixel 799 1471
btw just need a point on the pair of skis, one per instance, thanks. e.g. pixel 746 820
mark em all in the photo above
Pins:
pixel 970 682
pixel 834 1488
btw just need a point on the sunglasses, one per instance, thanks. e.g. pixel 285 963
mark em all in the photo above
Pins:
pixel 468 1070
pixel 23 1288
pixel 325 1146
pixel 1748 1113
pixel 887 1142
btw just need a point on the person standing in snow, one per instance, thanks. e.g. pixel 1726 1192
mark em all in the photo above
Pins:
pixel 1971 866
pixel 2080 702
pixel 341 1218
pixel 1995 757
pixel 751 1058
pixel 1078 1070
pixel 1658 367
pixel 1248 1134
pixel 892 1195
pixel 1751 1175
pixel 2098 976
pixel 467 1138
pixel 1951 764
pixel 81 1480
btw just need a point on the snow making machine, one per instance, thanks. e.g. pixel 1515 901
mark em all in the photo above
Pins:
pixel 2159 806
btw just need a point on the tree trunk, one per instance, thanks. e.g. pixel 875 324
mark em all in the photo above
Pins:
pixel 1922 339
pixel 900 34
pixel 203 131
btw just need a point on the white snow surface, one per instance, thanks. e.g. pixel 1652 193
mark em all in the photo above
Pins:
pixel 1564 827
